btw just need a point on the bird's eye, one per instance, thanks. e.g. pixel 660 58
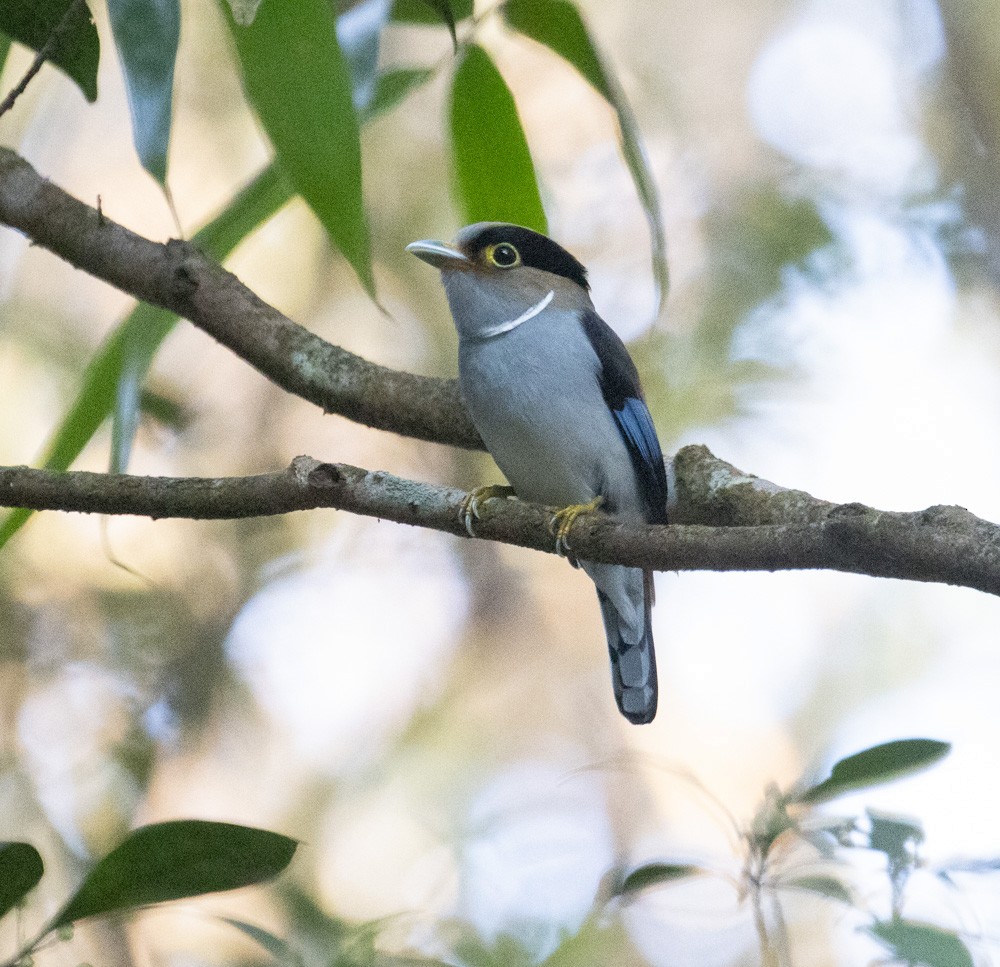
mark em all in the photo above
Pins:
pixel 504 255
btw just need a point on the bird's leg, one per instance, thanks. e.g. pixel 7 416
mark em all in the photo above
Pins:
pixel 469 511
pixel 563 520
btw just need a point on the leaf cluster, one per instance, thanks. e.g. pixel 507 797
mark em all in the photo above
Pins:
pixel 789 816
pixel 154 864
pixel 312 116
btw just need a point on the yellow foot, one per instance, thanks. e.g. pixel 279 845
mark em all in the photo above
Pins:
pixel 563 520
pixel 469 511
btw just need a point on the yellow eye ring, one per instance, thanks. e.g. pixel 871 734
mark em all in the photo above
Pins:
pixel 503 255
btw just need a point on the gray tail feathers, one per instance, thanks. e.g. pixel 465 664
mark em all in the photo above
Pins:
pixel 633 664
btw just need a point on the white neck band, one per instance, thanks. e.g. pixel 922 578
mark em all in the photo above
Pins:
pixel 503 327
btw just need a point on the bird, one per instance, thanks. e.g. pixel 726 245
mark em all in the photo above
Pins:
pixel 556 399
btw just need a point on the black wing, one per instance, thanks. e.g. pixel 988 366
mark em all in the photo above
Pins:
pixel 619 381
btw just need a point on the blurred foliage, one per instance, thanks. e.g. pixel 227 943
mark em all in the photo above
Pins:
pixel 166 639
pixel 755 240
pixel 756 237
pixel 775 861
pixel 154 864
pixel 174 656
pixel 76 48
pixel 187 858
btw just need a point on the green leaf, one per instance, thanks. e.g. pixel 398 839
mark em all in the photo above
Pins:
pixel 597 942
pixel 922 943
pixel 654 874
pixel 494 175
pixel 174 860
pixel 876 765
pixel 827 886
pixel 894 836
pixel 502 950
pixel 4 50
pixel 305 105
pixel 146 33
pixel 557 24
pixel 392 87
pixel 20 870
pixel 77 49
pixel 137 356
pixel 441 10
pixel 448 12
pixel 128 352
pixel 136 340
pixel 279 949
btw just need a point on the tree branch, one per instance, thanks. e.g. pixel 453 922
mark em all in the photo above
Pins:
pixel 722 518
pixel 176 276
pixel 769 529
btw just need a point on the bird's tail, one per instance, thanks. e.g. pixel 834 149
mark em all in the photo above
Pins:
pixel 633 663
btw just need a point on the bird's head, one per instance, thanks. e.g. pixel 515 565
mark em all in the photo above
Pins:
pixel 495 273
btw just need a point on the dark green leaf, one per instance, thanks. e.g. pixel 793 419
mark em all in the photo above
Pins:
pixel 170 861
pixel 76 50
pixel 441 10
pixel 146 34
pixel 655 874
pixel 921 943
pixel 135 342
pixel 4 50
pixel 494 175
pixel 279 949
pixel 20 870
pixel 391 88
pixel 131 347
pixel 447 12
pixel 165 410
pixel 827 886
pixel 879 764
pixel 894 835
pixel 305 105
pixel 558 25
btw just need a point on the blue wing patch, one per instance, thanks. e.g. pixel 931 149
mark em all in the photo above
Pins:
pixel 637 428
pixel 620 387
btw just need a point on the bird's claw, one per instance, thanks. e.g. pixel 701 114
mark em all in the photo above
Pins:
pixel 469 511
pixel 562 522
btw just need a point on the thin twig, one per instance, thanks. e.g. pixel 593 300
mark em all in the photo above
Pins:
pixel 42 56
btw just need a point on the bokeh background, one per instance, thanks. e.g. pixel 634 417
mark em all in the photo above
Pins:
pixel 432 716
